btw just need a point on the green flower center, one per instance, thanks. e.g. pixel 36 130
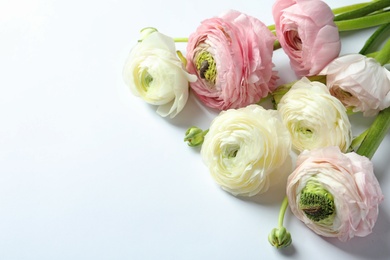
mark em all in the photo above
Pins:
pixel 306 132
pixel 146 80
pixel 205 64
pixel 231 151
pixel 317 203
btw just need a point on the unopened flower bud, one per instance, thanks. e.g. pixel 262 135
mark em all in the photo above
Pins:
pixel 280 237
pixel 194 136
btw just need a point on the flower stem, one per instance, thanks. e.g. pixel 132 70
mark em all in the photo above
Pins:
pixel 383 56
pixel 372 42
pixel 357 141
pixel 183 39
pixel 348 8
pixel 375 134
pixel 364 22
pixel 277 45
pixel 271 27
pixel 282 211
pixel 365 10
pixel 280 237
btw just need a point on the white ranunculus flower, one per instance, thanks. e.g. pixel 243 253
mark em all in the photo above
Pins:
pixel 359 82
pixel 243 147
pixel 314 118
pixel 155 73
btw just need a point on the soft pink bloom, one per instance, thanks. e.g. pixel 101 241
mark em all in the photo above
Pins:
pixel 239 50
pixel 350 179
pixel 359 82
pixel 307 34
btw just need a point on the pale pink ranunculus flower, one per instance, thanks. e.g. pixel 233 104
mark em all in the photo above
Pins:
pixel 232 57
pixel 307 33
pixel 347 179
pixel 359 82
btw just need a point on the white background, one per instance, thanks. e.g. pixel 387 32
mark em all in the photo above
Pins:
pixel 89 171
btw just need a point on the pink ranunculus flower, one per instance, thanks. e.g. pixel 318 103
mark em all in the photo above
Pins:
pixel 334 194
pixel 359 82
pixel 232 57
pixel 307 34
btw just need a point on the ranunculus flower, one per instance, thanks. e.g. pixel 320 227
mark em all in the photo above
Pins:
pixel 155 73
pixel 359 82
pixel 307 34
pixel 334 194
pixel 314 118
pixel 243 147
pixel 232 57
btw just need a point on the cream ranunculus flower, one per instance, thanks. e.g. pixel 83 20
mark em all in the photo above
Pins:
pixel 334 194
pixel 314 118
pixel 243 147
pixel 359 82
pixel 154 72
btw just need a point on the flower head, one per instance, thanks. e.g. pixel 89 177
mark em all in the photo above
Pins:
pixel 232 57
pixel 280 237
pixel 314 118
pixel 194 136
pixel 154 72
pixel 307 34
pixel 243 147
pixel 334 194
pixel 359 82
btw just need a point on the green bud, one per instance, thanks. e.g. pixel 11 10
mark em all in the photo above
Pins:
pixel 206 66
pixel 280 237
pixel 317 203
pixel 194 136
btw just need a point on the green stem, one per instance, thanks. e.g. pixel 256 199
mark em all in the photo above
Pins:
pixel 372 54
pixel 375 134
pixel 180 39
pixel 372 42
pixel 357 141
pixel 364 22
pixel 282 211
pixel 277 45
pixel 383 56
pixel 271 27
pixel 365 10
pixel 348 8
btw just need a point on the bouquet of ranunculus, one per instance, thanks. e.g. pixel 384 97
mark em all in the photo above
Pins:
pixel 333 189
pixel 228 66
